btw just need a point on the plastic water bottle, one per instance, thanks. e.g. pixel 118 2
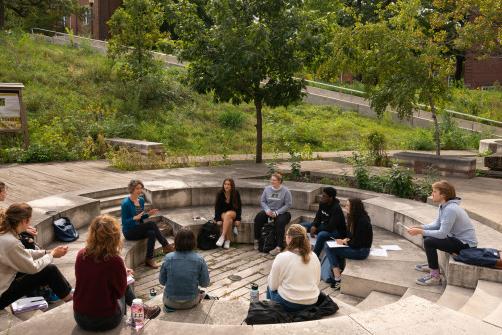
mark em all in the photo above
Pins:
pixel 137 314
pixel 153 292
pixel 254 294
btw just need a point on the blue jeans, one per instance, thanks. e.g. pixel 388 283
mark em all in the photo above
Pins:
pixel 337 256
pixel 322 237
pixel 288 306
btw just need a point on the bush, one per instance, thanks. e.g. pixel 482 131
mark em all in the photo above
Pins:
pixel 422 140
pixel 232 119
pixel 400 182
pixel 376 144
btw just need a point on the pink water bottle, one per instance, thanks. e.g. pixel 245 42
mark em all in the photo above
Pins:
pixel 137 314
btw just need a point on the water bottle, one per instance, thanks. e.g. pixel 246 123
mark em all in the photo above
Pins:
pixel 254 294
pixel 153 292
pixel 270 220
pixel 137 314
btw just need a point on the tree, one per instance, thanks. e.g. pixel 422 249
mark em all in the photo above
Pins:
pixel 251 52
pixel 36 13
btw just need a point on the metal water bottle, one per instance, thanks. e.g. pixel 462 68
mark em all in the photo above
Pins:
pixel 254 294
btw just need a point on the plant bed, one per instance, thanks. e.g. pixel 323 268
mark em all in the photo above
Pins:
pixel 446 165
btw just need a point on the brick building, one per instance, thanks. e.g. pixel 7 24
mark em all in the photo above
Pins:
pixel 482 72
pixel 96 13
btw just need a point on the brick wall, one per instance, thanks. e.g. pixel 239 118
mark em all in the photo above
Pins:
pixel 483 72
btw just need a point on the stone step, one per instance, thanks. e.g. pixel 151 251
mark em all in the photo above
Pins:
pixel 116 210
pixel 112 201
pixel 495 317
pixel 427 295
pixel 349 299
pixel 314 207
pixel 415 315
pixel 8 319
pixel 377 299
pixel 345 308
pixel 455 297
pixel 486 298
pixel 105 193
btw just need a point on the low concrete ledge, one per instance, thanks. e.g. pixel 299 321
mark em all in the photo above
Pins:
pixel 492 144
pixel 143 147
pixel 494 162
pixel 464 167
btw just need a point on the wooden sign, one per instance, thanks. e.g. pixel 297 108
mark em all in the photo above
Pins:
pixel 12 112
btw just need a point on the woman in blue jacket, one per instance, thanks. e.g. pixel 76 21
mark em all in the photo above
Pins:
pixel 133 225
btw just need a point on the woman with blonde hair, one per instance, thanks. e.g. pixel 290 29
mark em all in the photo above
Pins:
pixel 101 291
pixel 24 270
pixel 294 278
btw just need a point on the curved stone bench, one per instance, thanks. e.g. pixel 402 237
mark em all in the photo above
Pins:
pixel 492 144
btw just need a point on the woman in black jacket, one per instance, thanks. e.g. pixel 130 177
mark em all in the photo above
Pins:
pixel 227 211
pixel 358 244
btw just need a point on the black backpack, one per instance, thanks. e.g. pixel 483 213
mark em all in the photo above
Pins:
pixel 208 236
pixel 64 230
pixel 267 240
pixel 266 312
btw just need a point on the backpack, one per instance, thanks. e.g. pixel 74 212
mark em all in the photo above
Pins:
pixel 64 230
pixel 265 312
pixel 479 256
pixel 267 238
pixel 208 236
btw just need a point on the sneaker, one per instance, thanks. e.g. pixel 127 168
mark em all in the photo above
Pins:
pixel 429 280
pixel 150 262
pixel 275 252
pixel 336 284
pixel 220 241
pixel 235 231
pixel 423 268
pixel 151 312
pixel 256 245
pixel 226 245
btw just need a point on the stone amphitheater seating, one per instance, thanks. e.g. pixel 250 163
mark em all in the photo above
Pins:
pixel 390 303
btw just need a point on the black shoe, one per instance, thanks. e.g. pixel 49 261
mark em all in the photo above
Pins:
pixel 336 284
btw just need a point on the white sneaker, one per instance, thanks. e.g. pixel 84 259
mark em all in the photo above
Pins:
pixel 235 231
pixel 226 245
pixel 275 252
pixel 256 244
pixel 220 241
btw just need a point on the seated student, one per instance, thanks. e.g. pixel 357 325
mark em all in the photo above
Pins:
pixel 275 203
pixel 101 291
pixel 182 272
pixel 227 211
pixel 24 270
pixel 134 227
pixel 329 221
pixel 451 232
pixel 359 241
pixel 294 278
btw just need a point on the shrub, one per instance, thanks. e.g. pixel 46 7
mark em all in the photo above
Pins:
pixel 376 144
pixel 232 119
pixel 400 182
pixel 422 140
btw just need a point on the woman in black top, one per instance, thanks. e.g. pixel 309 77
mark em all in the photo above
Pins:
pixel 227 211
pixel 358 243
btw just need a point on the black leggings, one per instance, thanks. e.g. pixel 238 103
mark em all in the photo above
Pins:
pixel 280 226
pixel 146 230
pixel 25 283
pixel 450 245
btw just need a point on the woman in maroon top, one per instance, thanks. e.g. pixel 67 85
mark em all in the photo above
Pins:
pixel 101 291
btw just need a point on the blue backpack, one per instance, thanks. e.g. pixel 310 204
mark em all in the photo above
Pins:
pixel 64 230
pixel 479 256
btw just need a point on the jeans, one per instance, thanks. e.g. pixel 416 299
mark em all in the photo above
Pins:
pixel 288 306
pixel 186 304
pixel 321 237
pixel 97 324
pixel 26 283
pixel 280 226
pixel 450 245
pixel 337 256
pixel 147 230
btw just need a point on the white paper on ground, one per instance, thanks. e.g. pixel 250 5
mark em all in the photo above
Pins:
pixel 391 247
pixel 333 244
pixel 378 252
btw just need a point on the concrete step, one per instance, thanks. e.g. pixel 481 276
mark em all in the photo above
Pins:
pixel 495 317
pixel 486 298
pixel 112 201
pixel 345 308
pixel 455 297
pixel 427 295
pixel 116 210
pixel 100 194
pixel 415 315
pixel 7 319
pixel 314 207
pixel 349 299
pixel 377 299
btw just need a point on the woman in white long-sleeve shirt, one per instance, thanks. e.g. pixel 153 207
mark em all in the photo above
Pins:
pixel 294 278
pixel 24 270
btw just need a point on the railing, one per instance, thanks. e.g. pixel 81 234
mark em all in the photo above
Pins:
pixel 331 87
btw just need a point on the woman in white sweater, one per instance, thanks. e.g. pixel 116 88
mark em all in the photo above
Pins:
pixel 24 270
pixel 294 278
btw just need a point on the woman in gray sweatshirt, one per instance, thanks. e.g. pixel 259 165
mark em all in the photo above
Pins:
pixel 451 232
pixel 275 203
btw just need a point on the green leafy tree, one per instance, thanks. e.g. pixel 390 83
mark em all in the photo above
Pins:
pixel 251 52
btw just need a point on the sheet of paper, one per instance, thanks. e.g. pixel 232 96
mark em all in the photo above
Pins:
pixel 313 240
pixel 391 247
pixel 378 252
pixel 333 244
pixel 130 280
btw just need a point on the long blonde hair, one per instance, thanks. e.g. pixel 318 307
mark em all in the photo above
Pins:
pixel 299 242
pixel 12 217
pixel 104 239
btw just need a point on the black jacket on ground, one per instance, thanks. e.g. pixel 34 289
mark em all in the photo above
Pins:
pixel 330 218
pixel 362 237
pixel 222 206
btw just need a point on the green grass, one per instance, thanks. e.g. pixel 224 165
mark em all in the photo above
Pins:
pixel 74 99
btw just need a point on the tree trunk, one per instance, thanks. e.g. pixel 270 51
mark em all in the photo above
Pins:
pixel 2 14
pixel 259 139
pixel 436 127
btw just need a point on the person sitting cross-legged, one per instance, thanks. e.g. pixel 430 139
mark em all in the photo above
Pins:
pixel 329 221
pixel 358 243
pixel 451 232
